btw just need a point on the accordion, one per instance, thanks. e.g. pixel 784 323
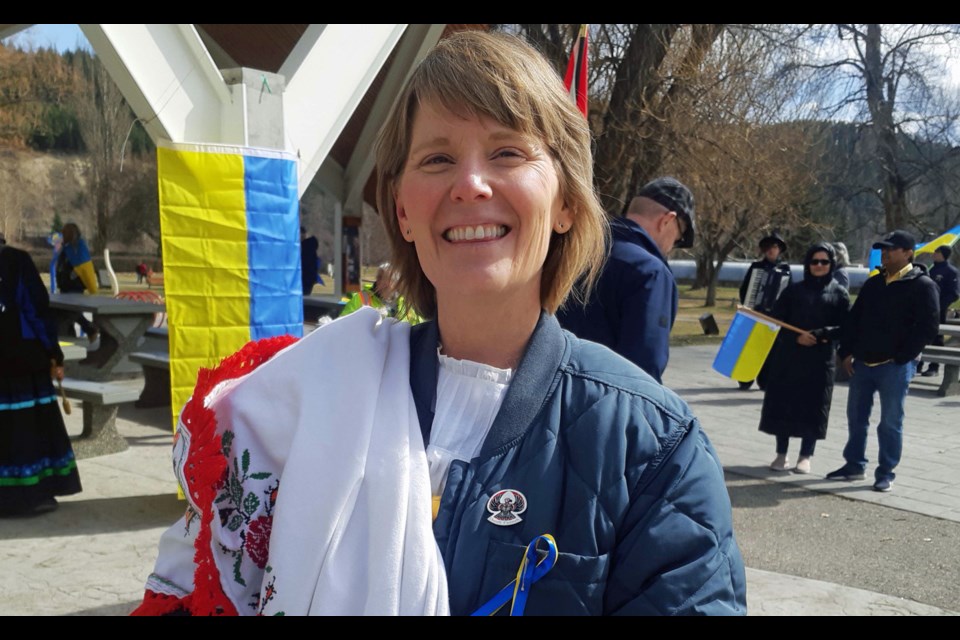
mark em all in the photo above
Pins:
pixel 765 287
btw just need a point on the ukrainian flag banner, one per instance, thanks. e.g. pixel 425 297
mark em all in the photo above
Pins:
pixel 229 222
pixel 745 347
pixel 946 239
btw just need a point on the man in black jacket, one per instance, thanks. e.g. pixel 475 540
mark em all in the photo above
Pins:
pixel 945 276
pixel 895 316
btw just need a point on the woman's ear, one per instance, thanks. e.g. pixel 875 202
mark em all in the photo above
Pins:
pixel 563 221
pixel 403 222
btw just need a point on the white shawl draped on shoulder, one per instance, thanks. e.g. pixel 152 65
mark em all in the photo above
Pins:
pixel 326 466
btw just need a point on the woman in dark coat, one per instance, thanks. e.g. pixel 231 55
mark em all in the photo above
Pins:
pixel 800 387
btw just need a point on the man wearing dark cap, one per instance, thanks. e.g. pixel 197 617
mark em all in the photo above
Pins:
pixel 763 283
pixel 895 316
pixel 634 305
pixel 945 275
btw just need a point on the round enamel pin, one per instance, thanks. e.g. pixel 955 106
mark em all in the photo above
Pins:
pixel 506 507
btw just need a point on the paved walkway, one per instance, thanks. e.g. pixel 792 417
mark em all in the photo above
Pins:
pixel 92 555
pixel 928 477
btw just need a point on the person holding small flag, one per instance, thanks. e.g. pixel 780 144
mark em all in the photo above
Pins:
pixel 801 366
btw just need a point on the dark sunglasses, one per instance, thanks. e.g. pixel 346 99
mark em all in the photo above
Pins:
pixel 820 262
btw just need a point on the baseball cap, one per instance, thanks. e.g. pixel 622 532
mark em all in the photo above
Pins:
pixel 898 239
pixel 675 196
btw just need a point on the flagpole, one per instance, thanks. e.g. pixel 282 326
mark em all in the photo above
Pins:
pixel 575 78
pixel 763 316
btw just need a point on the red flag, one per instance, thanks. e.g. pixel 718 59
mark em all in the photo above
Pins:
pixel 575 79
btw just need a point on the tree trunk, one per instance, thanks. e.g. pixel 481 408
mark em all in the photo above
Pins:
pixel 894 196
pixel 702 278
pixel 711 300
pixel 618 145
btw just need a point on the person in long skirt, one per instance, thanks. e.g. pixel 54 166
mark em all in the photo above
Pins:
pixel 36 459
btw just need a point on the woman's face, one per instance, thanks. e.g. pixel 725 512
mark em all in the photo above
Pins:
pixel 480 201
pixel 817 268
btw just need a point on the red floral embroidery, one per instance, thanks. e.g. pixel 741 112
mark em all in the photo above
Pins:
pixel 258 540
pixel 206 467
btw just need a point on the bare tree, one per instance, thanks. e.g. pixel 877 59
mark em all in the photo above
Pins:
pixel 888 78
pixel 748 170
pixel 105 123
pixel 637 77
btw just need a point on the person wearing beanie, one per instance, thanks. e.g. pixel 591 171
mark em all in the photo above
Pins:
pixel 947 278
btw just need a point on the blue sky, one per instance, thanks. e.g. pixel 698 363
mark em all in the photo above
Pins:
pixel 62 37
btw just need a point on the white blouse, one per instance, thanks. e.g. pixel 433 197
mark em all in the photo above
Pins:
pixel 469 395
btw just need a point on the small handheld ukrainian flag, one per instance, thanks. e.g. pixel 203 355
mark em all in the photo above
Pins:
pixel 745 347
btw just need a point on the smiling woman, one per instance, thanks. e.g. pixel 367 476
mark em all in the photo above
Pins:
pixel 486 435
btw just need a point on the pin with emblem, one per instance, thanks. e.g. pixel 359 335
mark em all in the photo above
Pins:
pixel 506 507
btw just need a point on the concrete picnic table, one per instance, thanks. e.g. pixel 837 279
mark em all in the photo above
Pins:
pixel 122 323
pixel 72 351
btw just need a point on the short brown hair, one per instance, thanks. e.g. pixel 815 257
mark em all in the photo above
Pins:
pixel 501 77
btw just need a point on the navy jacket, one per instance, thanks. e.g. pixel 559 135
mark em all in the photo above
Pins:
pixel 612 464
pixel 945 275
pixel 892 321
pixel 634 305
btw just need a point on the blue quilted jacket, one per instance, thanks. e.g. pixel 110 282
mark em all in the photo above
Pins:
pixel 612 464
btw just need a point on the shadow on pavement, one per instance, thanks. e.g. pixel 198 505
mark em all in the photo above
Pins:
pixel 102 515
pixel 121 609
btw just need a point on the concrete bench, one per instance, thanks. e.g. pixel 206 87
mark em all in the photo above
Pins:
pixel 155 339
pixel 100 401
pixel 949 357
pixel 156 378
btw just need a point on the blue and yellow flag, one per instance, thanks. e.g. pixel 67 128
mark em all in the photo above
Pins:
pixel 78 255
pixel 745 347
pixel 946 239
pixel 229 222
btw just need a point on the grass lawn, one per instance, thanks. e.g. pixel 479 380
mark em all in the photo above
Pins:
pixel 687 329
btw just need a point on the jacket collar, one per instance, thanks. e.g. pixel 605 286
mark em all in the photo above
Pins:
pixel 911 271
pixel 627 229
pixel 531 384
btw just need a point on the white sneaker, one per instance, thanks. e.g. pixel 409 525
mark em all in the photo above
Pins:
pixel 780 463
pixel 803 465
